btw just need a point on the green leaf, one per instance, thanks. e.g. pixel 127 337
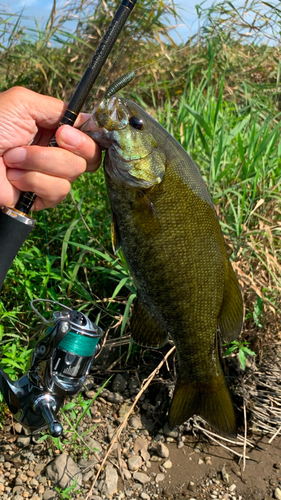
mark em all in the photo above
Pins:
pixel 242 358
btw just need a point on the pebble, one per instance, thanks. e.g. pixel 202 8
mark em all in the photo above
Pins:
pixel 134 462
pixel 277 493
pixel 141 477
pixel 233 487
pixel 23 441
pixel 140 444
pixel 145 496
pixel 114 397
pixel 145 455
pixel 200 461
pixel 111 480
pixel 162 450
pixel 170 432
pixel 168 464
pixel 63 470
pixel 49 494
pixel 159 477
pixel 191 487
pixel 135 422
pixel 119 383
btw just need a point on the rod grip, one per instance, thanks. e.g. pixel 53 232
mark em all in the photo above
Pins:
pixel 15 228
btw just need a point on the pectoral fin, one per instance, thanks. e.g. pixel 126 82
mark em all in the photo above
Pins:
pixel 145 330
pixel 230 318
pixel 115 236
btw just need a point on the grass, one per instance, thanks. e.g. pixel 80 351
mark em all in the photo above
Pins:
pixel 218 95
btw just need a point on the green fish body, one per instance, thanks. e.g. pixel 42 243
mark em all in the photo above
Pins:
pixel 165 222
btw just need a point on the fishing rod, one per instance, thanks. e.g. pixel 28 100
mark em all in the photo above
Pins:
pixel 15 225
pixel 65 352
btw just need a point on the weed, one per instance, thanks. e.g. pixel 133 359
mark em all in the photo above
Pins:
pixel 243 351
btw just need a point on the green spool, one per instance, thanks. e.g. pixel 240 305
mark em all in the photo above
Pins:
pixel 79 344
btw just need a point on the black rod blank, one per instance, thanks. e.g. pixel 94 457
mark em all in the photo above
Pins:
pixel 81 93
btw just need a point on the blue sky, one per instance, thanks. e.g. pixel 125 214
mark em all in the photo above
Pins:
pixel 40 10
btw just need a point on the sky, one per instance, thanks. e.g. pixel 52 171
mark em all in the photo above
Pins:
pixel 41 9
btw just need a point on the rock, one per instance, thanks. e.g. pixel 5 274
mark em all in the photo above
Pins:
pixel 23 441
pixel 134 386
pixel 38 468
pixel 145 496
pixel 141 477
pixel 18 497
pixel 124 409
pixel 89 464
pixel 90 394
pixel 49 494
pixel 233 487
pixel 277 493
pixel 34 483
pixel 191 486
pixel 114 397
pixel 135 422
pixel 159 477
pixel 127 474
pixel 110 482
pixel 134 462
pixel 119 384
pixel 170 432
pixel 145 455
pixel 162 450
pixel 140 444
pixel 17 490
pixel 168 464
pixel 200 461
pixel 93 444
pixel 208 461
pixel 63 471
pixel 18 427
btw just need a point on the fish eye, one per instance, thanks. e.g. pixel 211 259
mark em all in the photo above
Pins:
pixel 136 122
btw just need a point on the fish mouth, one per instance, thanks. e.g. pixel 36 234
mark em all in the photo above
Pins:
pixel 111 114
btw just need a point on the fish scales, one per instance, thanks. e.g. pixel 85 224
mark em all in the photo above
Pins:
pixel 165 222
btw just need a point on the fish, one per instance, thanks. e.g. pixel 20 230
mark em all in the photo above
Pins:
pixel 164 220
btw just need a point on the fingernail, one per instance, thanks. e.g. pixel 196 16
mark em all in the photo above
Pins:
pixel 71 136
pixel 13 174
pixel 15 155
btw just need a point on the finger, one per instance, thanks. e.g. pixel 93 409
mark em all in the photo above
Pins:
pixel 77 142
pixel 46 111
pixel 9 194
pixel 50 161
pixel 51 190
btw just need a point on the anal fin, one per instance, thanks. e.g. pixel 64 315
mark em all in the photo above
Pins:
pixel 230 319
pixel 145 330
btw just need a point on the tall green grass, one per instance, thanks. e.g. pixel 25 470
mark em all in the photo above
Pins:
pixel 218 95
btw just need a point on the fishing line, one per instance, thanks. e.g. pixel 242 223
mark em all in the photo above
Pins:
pixel 120 52
pixel 50 280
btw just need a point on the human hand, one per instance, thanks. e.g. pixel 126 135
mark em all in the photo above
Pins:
pixel 30 118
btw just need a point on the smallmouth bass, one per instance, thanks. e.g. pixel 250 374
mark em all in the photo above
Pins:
pixel 165 222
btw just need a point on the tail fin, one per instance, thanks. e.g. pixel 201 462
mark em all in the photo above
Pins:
pixel 211 401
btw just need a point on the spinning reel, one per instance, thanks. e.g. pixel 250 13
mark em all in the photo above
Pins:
pixel 60 363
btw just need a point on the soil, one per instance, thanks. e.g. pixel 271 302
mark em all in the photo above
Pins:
pixel 199 467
